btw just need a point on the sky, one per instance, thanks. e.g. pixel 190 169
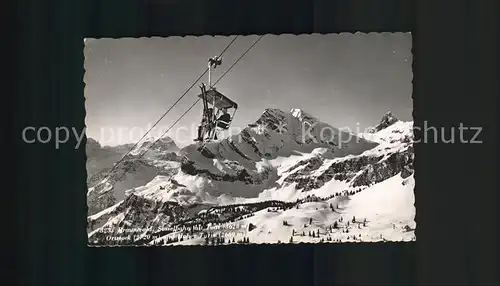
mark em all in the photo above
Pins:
pixel 346 80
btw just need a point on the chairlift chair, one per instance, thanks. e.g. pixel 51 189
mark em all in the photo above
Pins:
pixel 213 104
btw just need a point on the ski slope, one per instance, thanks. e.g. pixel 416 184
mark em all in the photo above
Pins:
pixel 270 165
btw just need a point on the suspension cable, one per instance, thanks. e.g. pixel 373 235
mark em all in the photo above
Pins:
pixel 193 105
pixel 171 107
pixel 242 55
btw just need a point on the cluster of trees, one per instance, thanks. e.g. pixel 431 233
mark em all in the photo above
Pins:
pixel 321 240
pixel 314 234
pixel 175 239
pixel 251 227
pixel 353 237
pixel 232 213
pixel 226 214
pixel 218 216
pixel 253 207
pixel 221 239
pixel 217 240
pixel 314 198
pixel 283 207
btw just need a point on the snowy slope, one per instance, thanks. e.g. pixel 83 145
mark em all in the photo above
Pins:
pixel 106 188
pixel 387 208
pixel 281 168
pixel 383 212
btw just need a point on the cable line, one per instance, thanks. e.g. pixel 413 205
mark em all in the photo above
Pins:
pixel 171 107
pixel 194 104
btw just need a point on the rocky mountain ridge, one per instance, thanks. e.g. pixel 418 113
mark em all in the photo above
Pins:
pixel 284 157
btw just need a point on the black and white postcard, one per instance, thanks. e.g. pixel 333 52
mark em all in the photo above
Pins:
pixel 255 139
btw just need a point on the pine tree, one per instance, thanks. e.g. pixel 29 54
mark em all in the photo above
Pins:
pixel 233 239
pixel 291 239
pixel 318 233
pixel 335 225
pixel 310 221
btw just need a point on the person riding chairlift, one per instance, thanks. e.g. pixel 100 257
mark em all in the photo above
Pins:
pixel 222 122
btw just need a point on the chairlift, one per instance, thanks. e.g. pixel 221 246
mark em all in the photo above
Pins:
pixel 216 108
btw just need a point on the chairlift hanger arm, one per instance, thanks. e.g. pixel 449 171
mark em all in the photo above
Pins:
pixel 214 62
pixel 217 99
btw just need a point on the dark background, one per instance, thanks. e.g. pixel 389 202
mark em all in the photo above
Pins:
pixel 455 80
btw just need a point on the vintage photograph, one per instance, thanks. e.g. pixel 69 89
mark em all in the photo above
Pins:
pixel 276 139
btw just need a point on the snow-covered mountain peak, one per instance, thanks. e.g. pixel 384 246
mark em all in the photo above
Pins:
pixel 287 166
pixel 387 120
pixel 277 133
pixel 272 116
pixel 163 144
pixel 391 131
pixel 278 117
pixel 302 115
pixel 93 142
pixel 163 140
pixel 92 146
pixel 149 139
